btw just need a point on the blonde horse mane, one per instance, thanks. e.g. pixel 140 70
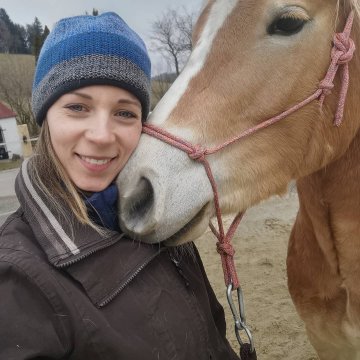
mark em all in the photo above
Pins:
pixel 354 4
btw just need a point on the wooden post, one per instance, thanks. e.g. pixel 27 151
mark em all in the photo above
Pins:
pixel 25 140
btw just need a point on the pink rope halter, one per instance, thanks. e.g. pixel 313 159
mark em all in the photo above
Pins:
pixel 341 54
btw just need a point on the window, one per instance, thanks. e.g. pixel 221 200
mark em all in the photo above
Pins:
pixel 3 153
pixel 2 139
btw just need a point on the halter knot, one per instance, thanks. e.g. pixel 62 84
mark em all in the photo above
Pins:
pixel 344 48
pixel 197 153
pixel 342 52
pixel 326 85
pixel 225 249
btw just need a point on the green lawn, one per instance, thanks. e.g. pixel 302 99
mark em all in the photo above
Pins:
pixel 7 165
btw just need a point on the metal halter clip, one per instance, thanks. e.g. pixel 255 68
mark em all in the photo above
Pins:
pixel 240 320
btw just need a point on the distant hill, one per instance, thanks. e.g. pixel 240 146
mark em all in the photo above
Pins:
pixel 159 85
pixel 27 58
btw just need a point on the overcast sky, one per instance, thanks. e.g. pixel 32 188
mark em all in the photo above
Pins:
pixel 139 14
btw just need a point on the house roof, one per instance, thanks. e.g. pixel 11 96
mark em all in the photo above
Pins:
pixel 5 112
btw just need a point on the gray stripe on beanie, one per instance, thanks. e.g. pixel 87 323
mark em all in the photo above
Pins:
pixel 111 69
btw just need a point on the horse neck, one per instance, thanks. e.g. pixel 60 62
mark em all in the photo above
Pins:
pixel 330 198
pixel 329 210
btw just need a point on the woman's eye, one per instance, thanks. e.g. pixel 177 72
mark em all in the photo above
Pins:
pixel 286 26
pixel 75 107
pixel 126 114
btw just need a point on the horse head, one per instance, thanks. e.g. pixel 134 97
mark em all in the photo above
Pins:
pixel 251 60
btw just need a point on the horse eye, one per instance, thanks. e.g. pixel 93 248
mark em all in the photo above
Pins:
pixel 286 26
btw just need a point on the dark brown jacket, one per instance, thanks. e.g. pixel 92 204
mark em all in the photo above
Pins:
pixel 79 295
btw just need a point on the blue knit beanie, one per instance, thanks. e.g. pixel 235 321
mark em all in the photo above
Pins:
pixel 90 50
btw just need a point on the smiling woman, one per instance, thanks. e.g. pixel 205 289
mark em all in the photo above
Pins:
pixel 72 286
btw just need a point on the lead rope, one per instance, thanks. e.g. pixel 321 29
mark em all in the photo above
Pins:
pixel 341 54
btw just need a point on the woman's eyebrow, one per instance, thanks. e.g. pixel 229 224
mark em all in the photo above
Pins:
pixel 80 94
pixel 129 101
pixel 120 101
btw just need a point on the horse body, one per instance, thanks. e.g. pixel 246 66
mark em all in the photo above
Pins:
pixel 323 257
pixel 244 70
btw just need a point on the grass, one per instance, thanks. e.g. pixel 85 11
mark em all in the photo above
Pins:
pixel 8 165
pixel 158 89
pixel 21 60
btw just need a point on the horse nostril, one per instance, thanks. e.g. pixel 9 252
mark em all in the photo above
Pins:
pixel 142 201
pixel 141 207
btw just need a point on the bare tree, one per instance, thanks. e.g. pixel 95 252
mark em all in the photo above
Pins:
pixel 16 74
pixel 171 36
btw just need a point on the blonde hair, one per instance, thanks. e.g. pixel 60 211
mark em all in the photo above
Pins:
pixel 55 183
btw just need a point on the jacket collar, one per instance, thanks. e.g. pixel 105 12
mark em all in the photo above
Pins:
pixel 105 273
pixel 62 237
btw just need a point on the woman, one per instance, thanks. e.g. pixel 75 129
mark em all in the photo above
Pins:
pixel 72 286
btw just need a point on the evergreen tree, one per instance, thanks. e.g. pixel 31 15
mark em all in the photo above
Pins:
pixel 35 37
pixel 5 37
pixel 12 36
pixel 45 34
pixel 5 17
pixel 95 12
pixel 19 40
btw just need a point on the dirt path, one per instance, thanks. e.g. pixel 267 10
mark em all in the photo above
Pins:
pixel 261 247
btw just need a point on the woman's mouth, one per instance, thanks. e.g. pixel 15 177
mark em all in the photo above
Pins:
pixel 95 164
pixel 95 161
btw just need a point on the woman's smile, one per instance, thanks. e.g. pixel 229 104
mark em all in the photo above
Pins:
pixel 95 164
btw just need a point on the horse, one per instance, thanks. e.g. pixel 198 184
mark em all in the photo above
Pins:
pixel 252 60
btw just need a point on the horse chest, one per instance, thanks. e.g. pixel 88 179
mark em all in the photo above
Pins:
pixel 328 301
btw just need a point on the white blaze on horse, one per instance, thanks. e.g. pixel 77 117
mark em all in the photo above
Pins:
pixel 251 61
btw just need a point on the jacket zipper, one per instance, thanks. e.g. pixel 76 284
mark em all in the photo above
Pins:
pixel 129 279
pixel 82 257
pixel 179 269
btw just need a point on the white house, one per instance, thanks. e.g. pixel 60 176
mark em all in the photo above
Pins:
pixel 10 142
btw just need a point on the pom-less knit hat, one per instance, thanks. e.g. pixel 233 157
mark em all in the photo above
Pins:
pixel 90 50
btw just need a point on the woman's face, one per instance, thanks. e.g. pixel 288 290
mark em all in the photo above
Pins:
pixel 93 131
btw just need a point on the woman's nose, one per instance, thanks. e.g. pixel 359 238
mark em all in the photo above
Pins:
pixel 101 130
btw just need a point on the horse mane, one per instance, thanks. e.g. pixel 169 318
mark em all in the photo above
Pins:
pixel 353 4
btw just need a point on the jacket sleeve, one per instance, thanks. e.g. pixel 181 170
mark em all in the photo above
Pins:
pixel 31 326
